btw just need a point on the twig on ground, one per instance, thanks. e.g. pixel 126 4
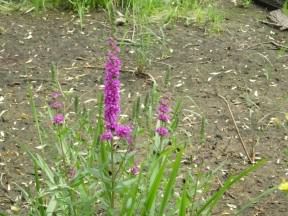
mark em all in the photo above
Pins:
pixel 274 43
pixel 136 72
pixel 190 45
pixel 127 41
pixel 278 45
pixel 251 160
pixel 170 66
pixel 5 190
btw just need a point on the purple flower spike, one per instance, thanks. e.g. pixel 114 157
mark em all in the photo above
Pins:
pixel 112 88
pixel 124 132
pixel 164 110
pixel 112 97
pixel 58 119
pixel 107 136
pixel 162 131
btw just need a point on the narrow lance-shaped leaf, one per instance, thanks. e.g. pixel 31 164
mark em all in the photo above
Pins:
pixel 171 182
pixel 152 194
pixel 208 206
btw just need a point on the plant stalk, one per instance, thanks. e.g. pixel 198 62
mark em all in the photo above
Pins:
pixel 112 177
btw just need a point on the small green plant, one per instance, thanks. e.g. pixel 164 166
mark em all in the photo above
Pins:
pixel 246 3
pixel 80 6
pixel 215 19
pixel 39 4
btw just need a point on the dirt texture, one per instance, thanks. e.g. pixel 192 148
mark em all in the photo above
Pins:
pixel 246 63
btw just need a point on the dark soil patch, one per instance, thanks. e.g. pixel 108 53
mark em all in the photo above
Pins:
pixel 240 63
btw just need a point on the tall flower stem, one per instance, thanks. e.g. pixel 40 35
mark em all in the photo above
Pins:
pixel 112 177
pixel 63 152
pixel 112 112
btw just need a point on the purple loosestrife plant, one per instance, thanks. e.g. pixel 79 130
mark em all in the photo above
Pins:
pixel 112 97
pixel 112 110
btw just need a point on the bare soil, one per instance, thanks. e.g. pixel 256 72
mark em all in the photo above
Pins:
pixel 244 63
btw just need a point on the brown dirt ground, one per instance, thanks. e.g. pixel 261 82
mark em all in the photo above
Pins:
pixel 240 63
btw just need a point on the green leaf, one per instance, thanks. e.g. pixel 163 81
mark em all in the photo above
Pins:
pixel 38 160
pixel 171 182
pixel 175 119
pixel 130 200
pixel 125 184
pixel 152 193
pixel 183 203
pixel 208 206
pixel 255 200
pixel 51 206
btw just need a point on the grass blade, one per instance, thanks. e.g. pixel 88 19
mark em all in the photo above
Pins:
pixel 171 182
pixel 154 187
pixel 129 209
pixel 37 183
pixel 230 181
pixel 255 200
pixel 183 203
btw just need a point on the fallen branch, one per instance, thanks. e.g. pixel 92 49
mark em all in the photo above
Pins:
pixel 136 72
pixel 279 45
pixel 237 129
pixel 274 43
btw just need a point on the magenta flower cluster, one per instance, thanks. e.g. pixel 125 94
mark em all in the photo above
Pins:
pixel 112 108
pixel 164 110
pixel 58 119
pixel 162 131
pixel 163 114
pixel 112 87
pixel 57 105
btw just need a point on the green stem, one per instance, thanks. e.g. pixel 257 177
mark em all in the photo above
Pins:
pixel 112 177
pixel 121 165
pixel 63 153
pixel 40 200
pixel 34 111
